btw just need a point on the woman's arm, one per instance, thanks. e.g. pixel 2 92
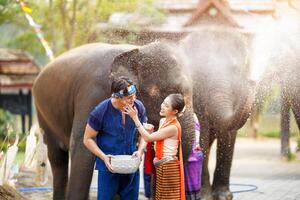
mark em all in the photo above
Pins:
pixel 161 134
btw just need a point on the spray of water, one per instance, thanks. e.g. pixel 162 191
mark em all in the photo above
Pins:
pixel 275 48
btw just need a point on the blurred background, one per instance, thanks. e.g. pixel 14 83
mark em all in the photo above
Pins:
pixel 33 32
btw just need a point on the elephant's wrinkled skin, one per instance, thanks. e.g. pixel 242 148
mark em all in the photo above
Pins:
pixel 70 86
pixel 222 97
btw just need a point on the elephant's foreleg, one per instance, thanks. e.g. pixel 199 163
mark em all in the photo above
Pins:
pixel 206 141
pixel 225 147
pixel 82 167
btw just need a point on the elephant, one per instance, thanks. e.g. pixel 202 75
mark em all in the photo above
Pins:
pixel 280 60
pixel 223 94
pixel 69 87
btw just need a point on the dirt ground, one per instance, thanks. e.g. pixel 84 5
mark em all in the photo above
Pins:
pixel 256 162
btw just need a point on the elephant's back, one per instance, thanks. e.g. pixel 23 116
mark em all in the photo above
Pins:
pixel 88 56
pixel 84 63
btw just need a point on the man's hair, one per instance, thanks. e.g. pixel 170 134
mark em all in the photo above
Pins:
pixel 121 83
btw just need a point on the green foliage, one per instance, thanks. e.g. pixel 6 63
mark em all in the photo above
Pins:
pixel 6 119
pixel 22 143
pixel 8 9
pixel 153 15
pixel 7 133
pixel 271 134
pixel 65 23
pixel 106 7
pixel 291 156
pixel 298 143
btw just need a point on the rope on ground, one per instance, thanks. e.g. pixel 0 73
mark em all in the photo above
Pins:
pixel 250 188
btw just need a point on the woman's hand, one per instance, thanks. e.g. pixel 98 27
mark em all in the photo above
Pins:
pixel 197 147
pixel 132 112
pixel 148 127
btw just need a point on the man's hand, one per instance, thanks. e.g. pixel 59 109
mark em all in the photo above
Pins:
pixel 106 160
pixel 138 154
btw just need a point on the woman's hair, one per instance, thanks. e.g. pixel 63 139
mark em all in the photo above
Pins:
pixel 177 102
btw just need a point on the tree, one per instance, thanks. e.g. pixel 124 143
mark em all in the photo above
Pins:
pixel 65 23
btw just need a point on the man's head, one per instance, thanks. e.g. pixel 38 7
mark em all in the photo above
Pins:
pixel 124 91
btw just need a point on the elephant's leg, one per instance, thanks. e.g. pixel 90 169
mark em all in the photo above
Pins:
pixel 295 105
pixel 59 161
pixel 206 141
pixel 225 148
pixel 82 164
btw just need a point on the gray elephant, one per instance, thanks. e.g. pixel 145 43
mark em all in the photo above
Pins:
pixel 222 97
pixel 278 49
pixel 70 86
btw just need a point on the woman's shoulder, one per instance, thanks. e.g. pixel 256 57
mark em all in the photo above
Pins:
pixel 161 121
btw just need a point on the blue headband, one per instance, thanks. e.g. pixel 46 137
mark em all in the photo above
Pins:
pixel 130 90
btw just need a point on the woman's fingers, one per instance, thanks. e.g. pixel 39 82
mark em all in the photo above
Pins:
pixel 129 110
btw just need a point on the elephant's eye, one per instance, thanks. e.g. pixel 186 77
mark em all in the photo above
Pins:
pixel 154 91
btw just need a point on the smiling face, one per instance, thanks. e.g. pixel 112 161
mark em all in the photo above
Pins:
pixel 166 108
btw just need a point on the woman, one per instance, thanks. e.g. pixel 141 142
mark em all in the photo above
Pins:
pixel 169 168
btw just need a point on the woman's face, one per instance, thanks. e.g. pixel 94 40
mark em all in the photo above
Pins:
pixel 166 108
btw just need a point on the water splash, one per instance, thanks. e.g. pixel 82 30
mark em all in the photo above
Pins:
pixel 275 47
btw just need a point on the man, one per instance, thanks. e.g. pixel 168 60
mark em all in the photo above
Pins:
pixel 115 134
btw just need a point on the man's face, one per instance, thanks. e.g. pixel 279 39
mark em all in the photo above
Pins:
pixel 127 100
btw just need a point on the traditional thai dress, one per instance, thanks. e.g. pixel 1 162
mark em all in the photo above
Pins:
pixel 169 178
pixel 193 167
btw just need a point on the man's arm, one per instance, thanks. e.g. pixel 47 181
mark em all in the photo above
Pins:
pixel 89 141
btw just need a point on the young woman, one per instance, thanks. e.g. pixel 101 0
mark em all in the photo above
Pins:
pixel 169 180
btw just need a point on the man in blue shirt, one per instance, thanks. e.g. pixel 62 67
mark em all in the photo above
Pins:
pixel 115 134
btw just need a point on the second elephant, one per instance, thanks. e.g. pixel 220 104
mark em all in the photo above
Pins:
pixel 222 97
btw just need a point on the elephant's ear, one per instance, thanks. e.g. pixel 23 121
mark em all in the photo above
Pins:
pixel 126 64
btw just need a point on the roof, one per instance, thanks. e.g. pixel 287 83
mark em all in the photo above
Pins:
pixel 205 6
pixel 17 69
pixel 185 16
pixel 235 5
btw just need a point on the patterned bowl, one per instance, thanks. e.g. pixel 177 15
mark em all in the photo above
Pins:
pixel 125 164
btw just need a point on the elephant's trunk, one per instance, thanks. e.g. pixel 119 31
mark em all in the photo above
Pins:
pixel 227 112
pixel 188 131
pixel 243 109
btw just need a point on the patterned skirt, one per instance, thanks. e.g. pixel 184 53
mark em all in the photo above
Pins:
pixel 167 181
